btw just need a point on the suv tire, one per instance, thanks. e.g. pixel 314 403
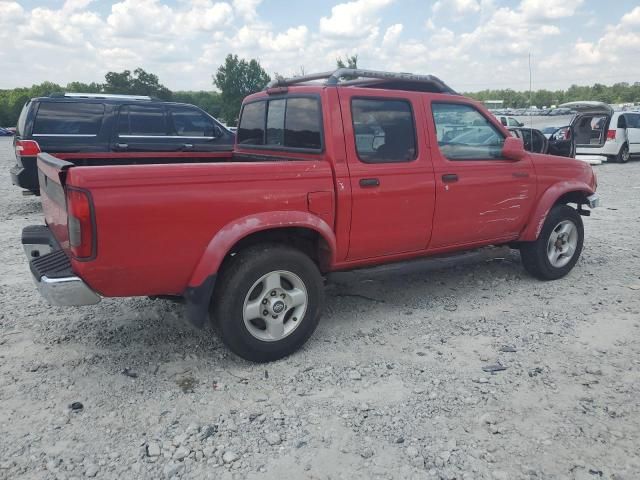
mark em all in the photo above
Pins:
pixel 558 246
pixel 268 302
pixel 623 154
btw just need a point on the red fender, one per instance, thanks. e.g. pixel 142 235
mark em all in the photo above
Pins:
pixel 235 231
pixel 548 200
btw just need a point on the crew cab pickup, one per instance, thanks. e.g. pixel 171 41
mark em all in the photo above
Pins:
pixel 327 174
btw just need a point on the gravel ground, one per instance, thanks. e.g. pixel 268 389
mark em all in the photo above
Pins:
pixel 392 384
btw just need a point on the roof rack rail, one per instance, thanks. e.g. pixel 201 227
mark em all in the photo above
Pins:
pixel 102 95
pixel 357 76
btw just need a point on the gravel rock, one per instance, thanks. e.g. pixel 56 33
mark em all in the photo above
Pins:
pixel 230 457
pixel 91 470
pixel 273 438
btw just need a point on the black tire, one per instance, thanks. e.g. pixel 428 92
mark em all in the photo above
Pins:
pixel 534 254
pixel 235 283
pixel 623 154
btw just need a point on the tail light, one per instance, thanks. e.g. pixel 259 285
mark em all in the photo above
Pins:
pixel 81 224
pixel 567 134
pixel 27 148
pixel 611 134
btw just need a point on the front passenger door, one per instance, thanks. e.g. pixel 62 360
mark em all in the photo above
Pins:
pixel 196 131
pixel 481 197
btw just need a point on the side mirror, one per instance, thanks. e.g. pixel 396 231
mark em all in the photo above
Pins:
pixel 513 148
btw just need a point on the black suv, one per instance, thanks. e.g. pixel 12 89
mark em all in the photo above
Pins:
pixel 87 126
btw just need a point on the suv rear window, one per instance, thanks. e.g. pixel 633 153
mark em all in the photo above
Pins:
pixel 60 118
pixel 293 122
pixel 22 120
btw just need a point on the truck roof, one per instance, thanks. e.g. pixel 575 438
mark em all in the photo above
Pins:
pixel 349 77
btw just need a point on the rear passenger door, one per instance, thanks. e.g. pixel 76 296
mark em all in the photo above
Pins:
pixel 144 128
pixel 197 131
pixel 391 175
pixel 633 131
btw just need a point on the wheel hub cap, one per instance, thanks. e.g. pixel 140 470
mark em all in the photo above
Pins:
pixel 562 244
pixel 275 305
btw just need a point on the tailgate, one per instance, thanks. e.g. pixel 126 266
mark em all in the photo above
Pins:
pixel 52 175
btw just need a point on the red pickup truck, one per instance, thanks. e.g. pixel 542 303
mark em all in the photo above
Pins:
pixel 331 171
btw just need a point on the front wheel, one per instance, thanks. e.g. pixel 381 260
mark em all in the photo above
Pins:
pixel 558 246
pixel 268 302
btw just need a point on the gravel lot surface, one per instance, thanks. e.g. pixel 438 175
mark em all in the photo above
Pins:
pixel 392 384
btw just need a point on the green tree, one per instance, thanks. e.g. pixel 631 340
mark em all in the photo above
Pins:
pixel 138 83
pixel 236 79
pixel 351 62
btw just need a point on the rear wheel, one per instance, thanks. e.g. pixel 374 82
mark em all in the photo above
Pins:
pixel 268 302
pixel 558 246
pixel 623 155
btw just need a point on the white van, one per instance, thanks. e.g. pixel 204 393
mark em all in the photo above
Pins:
pixel 602 134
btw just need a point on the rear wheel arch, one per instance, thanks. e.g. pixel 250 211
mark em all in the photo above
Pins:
pixel 307 240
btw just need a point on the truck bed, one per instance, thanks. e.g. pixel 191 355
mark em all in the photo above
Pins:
pixel 153 222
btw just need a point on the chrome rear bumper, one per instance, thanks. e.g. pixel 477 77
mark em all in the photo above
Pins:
pixel 66 291
pixel 51 270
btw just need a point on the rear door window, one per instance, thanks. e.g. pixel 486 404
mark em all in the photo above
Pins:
pixel 463 133
pixel 284 123
pixel 384 130
pixel 68 119
pixel 142 121
pixel 633 120
pixel 189 122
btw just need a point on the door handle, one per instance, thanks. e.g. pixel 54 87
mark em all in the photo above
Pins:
pixel 449 177
pixel 187 146
pixel 520 174
pixel 122 146
pixel 369 182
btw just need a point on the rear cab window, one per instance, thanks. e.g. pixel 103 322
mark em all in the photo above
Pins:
pixel 463 133
pixel 68 119
pixel 289 123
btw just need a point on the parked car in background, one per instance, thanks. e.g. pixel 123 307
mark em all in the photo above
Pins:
pixel 5 132
pixel 602 134
pixel 509 121
pixel 323 177
pixel 559 142
pixel 83 127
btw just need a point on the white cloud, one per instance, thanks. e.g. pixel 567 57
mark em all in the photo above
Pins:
pixel 247 8
pixel 355 19
pixel 632 18
pixel 470 44
pixel 549 9
pixel 392 34
pixel 456 7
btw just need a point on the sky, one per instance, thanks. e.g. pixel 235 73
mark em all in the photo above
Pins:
pixel 470 44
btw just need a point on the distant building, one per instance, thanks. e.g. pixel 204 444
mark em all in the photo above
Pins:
pixel 494 104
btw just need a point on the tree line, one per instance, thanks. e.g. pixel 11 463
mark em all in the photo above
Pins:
pixel 617 93
pixel 237 78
